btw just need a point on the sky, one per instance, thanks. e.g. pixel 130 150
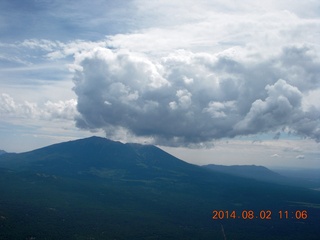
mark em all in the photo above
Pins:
pixel 210 81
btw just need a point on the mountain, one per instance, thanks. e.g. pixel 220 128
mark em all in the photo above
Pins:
pixel 249 171
pixel 308 176
pixel 264 174
pixel 2 152
pixel 95 188
pixel 93 155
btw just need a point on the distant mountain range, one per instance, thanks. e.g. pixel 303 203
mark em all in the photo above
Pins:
pixel 2 152
pixel 264 174
pixel 250 171
pixel 95 188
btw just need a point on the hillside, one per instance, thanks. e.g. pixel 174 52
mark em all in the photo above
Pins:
pixel 95 188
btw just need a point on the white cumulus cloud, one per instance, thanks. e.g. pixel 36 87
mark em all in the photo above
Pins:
pixel 227 97
pixel 63 110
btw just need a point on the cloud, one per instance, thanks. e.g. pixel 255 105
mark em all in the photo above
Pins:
pixel 67 20
pixel 237 76
pixel 188 98
pixel 275 155
pixel 282 104
pixel 277 136
pixel 300 157
pixel 215 26
pixel 61 110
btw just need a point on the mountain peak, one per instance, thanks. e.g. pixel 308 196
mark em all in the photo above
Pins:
pixel 95 139
pixel 88 154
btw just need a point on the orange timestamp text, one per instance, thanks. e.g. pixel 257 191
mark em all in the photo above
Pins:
pixel 262 214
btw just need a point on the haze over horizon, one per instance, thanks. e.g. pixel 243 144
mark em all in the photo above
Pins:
pixel 220 82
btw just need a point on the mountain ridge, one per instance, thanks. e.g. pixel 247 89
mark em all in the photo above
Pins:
pixel 94 152
pixel 262 173
pixel 250 171
pixel 96 188
pixel 101 156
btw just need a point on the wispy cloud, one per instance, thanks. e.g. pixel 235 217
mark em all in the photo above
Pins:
pixel 300 157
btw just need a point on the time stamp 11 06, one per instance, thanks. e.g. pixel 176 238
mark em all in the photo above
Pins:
pixel 262 214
